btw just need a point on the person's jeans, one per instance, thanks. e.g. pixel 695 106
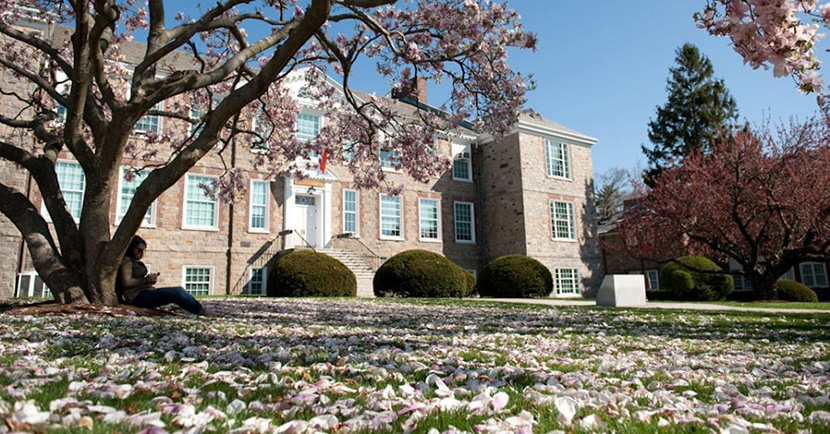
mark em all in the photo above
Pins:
pixel 153 298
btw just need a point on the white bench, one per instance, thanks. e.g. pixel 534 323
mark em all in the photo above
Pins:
pixel 622 290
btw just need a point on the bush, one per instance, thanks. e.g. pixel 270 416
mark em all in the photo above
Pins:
pixel 419 273
pixel 684 283
pixel 790 290
pixel 515 276
pixel 310 274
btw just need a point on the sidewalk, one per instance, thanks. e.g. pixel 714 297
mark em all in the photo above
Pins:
pixel 660 305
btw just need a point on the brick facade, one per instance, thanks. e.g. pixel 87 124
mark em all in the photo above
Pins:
pixel 510 195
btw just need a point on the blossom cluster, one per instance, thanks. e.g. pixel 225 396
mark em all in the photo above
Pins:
pixel 778 33
pixel 299 365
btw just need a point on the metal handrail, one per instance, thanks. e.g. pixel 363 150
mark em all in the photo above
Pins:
pixel 269 253
pixel 376 258
pixel 292 231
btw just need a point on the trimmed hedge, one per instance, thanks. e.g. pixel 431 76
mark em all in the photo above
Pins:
pixel 419 273
pixel 515 276
pixel 684 283
pixel 790 290
pixel 310 274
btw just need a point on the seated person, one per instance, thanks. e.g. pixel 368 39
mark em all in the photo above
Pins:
pixel 136 286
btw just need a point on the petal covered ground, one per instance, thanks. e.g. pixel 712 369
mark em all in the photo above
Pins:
pixel 314 365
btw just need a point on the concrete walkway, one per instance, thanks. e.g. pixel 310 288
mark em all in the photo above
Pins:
pixel 660 305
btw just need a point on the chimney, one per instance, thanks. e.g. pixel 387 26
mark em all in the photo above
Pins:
pixel 421 90
pixel 415 91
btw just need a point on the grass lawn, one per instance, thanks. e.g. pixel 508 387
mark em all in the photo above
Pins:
pixel 766 305
pixel 309 365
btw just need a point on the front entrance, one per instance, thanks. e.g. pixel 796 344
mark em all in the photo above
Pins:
pixel 307 213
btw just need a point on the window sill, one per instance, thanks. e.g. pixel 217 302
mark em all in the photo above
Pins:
pixel 430 240
pixel 564 240
pixel 560 178
pixel 463 180
pixel 465 242
pixel 200 228
pixel 258 231
pixel 388 238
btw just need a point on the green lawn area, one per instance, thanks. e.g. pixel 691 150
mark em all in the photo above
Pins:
pixel 765 305
pixel 379 365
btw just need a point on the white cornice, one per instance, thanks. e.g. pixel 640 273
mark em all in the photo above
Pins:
pixel 569 136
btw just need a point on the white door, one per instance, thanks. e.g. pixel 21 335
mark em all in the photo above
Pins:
pixel 307 210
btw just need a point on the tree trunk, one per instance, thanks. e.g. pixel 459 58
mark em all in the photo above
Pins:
pixel 763 287
pixel 100 271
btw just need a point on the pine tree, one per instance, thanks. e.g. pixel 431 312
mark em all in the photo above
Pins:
pixel 698 110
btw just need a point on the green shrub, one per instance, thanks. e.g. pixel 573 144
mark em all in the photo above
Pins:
pixel 419 273
pixel 310 274
pixel 515 276
pixel 790 290
pixel 683 283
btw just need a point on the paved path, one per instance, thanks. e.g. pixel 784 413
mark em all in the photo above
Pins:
pixel 661 305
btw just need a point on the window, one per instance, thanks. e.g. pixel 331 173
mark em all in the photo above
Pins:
pixel 789 275
pixel 72 182
pixel 149 123
pixel 741 283
pixel 200 209
pixel 813 274
pixel 349 151
pixel 257 281
pixel 350 210
pixel 391 217
pixel 198 280
pixel 259 206
pixel 562 220
pixel 461 170
pixel 428 212
pixel 197 112
pixel 388 159
pixel 653 279
pixel 308 126
pixel 126 191
pixel 567 281
pixel 465 228
pixel 556 156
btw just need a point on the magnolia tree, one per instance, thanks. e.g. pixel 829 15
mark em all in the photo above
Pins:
pixel 760 199
pixel 82 94
pixel 778 33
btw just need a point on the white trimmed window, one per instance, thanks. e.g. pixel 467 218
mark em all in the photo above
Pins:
pixel 351 208
pixel 429 219
pixel 201 211
pixel 198 280
pixel 72 183
pixel 308 126
pixel 653 279
pixel 257 281
pixel 566 281
pixel 562 221
pixel 388 159
pixel 556 157
pixel 462 168
pixel 789 275
pixel 126 191
pixel 149 123
pixel 465 226
pixel 813 274
pixel 391 217
pixel 741 283
pixel 259 206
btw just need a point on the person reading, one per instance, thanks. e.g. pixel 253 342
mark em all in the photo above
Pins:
pixel 136 288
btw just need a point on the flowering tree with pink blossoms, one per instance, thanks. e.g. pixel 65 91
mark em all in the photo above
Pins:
pixel 71 86
pixel 777 33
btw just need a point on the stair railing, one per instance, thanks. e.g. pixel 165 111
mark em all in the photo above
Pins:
pixel 377 260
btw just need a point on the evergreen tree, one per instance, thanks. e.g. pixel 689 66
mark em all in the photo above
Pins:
pixel 698 110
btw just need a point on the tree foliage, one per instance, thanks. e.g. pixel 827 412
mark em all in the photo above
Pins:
pixel 611 190
pixel 757 198
pixel 208 78
pixel 698 110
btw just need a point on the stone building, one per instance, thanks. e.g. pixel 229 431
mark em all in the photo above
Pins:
pixel 528 193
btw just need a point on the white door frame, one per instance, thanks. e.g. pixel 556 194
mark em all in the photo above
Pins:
pixel 322 207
